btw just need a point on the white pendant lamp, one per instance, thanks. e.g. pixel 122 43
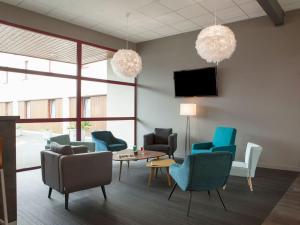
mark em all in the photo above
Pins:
pixel 215 43
pixel 126 62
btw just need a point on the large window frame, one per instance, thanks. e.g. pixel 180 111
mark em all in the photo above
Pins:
pixel 79 78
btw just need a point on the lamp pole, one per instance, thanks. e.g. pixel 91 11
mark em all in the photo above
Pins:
pixel 187 110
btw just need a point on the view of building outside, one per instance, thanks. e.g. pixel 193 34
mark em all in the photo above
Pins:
pixel 34 97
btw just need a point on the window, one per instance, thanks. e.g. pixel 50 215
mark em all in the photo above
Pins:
pixel 52 109
pixel 27 110
pixel 57 91
pixel 86 107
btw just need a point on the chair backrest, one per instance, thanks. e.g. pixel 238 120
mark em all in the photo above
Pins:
pixel 105 136
pixel 252 155
pixel 209 170
pixel 224 136
pixel 162 135
pixel 61 139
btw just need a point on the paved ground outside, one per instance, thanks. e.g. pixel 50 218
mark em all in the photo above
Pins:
pixel 29 145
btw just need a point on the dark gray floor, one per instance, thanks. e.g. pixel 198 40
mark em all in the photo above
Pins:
pixel 132 202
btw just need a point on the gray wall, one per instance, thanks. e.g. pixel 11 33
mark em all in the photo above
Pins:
pixel 34 20
pixel 259 90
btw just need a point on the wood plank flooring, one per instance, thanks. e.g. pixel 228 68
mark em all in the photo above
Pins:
pixel 132 202
pixel 287 211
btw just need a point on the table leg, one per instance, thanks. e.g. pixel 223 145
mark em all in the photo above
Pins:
pixel 120 171
pixel 150 176
pixel 156 171
pixel 169 177
pixel 128 163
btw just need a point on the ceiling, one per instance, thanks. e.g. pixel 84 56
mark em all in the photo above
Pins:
pixel 149 19
pixel 27 43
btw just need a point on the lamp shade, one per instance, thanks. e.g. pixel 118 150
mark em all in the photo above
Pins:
pixel 188 109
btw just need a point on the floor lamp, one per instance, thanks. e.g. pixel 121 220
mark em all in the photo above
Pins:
pixel 5 220
pixel 187 110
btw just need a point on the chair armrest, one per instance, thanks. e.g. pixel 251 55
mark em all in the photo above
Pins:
pixel 148 139
pixel 50 169
pixel 181 174
pixel 172 141
pixel 83 171
pixel 229 148
pixel 90 145
pixel 204 145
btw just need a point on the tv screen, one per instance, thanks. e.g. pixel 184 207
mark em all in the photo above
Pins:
pixel 198 82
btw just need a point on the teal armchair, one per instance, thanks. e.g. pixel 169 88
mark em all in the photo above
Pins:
pixel 202 172
pixel 224 140
pixel 65 140
pixel 106 141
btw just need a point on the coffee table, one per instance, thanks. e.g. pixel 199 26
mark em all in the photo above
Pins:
pixel 127 155
pixel 159 164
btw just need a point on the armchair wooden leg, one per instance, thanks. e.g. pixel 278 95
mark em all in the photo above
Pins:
pixel 250 183
pixel 50 192
pixel 103 191
pixel 189 205
pixel 173 189
pixel 221 200
pixel 66 201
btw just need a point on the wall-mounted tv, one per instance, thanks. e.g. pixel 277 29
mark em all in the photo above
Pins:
pixel 198 82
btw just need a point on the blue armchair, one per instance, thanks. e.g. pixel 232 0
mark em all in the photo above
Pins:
pixel 224 140
pixel 105 141
pixel 202 172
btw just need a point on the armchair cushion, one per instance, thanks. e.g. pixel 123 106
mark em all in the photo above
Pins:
pixel 79 149
pixel 160 148
pixel 90 145
pixel 61 149
pixel 162 135
pixel 200 151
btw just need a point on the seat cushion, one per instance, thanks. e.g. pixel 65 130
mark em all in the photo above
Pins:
pixel 239 169
pixel 159 148
pixel 195 151
pixel 61 149
pixel 162 135
pixel 116 147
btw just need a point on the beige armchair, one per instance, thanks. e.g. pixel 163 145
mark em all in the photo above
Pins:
pixel 76 172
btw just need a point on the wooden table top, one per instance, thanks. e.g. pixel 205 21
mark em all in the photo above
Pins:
pixel 117 156
pixel 160 163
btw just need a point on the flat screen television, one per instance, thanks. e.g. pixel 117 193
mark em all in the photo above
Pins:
pixel 198 82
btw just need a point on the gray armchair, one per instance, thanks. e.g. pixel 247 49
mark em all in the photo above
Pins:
pixel 162 140
pixel 76 172
pixel 65 140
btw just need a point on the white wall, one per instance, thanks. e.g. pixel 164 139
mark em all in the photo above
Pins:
pixel 259 90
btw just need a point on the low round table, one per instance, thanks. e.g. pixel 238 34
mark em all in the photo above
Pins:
pixel 159 164
pixel 127 155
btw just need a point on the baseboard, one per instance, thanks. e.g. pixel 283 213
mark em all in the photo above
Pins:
pixel 279 167
pixel 13 223
pixel 263 165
